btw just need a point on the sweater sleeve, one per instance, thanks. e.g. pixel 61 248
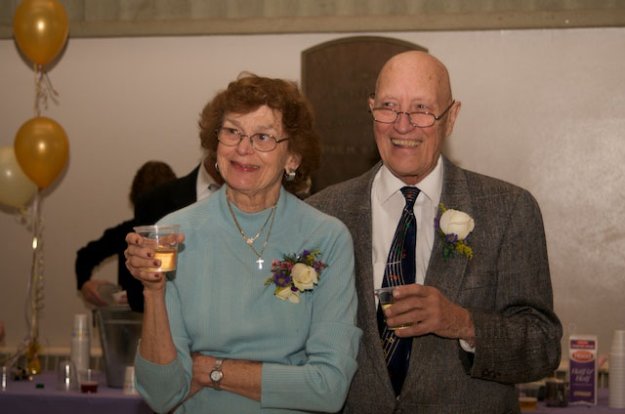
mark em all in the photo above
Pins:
pixel 164 387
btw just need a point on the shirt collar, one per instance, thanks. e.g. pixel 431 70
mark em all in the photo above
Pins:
pixel 431 186
pixel 204 181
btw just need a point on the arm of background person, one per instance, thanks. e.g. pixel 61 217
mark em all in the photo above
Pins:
pixel 93 254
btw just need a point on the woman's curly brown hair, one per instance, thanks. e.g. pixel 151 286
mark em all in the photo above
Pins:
pixel 248 93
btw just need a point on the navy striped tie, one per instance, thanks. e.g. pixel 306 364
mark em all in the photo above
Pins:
pixel 400 270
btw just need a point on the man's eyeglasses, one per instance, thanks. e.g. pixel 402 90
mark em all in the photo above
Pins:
pixel 260 142
pixel 416 119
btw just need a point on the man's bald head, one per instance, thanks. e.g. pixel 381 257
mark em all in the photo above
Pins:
pixel 429 69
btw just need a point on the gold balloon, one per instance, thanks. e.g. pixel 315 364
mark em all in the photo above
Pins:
pixel 42 150
pixel 40 28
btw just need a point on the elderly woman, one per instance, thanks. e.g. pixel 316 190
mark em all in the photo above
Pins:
pixel 260 313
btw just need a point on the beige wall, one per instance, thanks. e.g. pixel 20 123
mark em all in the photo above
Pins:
pixel 201 17
pixel 541 108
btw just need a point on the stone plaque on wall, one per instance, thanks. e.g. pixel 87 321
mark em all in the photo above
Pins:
pixel 337 77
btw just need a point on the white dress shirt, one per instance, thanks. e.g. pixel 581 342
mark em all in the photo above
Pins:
pixel 387 203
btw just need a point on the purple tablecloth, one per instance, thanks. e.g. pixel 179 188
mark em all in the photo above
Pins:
pixel 600 408
pixel 25 398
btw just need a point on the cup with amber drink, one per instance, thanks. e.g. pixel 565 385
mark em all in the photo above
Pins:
pixel 385 297
pixel 164 240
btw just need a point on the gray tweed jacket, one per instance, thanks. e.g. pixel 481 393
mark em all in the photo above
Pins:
pixel 506 287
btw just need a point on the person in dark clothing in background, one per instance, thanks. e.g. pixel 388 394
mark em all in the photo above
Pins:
pixel 151 175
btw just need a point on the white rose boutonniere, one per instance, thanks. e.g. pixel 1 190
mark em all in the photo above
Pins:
pixel 304 277
pixel 295 274
pixel 454 227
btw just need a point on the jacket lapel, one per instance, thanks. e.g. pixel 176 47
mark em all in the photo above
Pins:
pixel 358 211
pixel 447 274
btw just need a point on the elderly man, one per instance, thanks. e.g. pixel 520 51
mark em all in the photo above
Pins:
pixel 474 285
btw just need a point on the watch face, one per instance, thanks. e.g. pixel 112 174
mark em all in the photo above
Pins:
pixel 216 376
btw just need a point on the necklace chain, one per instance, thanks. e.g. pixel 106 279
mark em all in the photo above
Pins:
pixel 250 240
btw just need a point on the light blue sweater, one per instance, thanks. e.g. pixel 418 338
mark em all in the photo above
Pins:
pixel 218 305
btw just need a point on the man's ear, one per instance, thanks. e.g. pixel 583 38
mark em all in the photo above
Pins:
pixel 451 118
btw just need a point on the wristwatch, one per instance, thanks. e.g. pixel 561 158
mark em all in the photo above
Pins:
pixel 217 374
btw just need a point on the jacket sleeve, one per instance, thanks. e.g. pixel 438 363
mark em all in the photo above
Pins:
pixel 112 241
pixel 520 340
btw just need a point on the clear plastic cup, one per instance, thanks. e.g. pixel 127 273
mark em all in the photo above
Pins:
pixel 89 381
pixel 385 296
pixel 67 379
pixel 130 381
pixel 163 239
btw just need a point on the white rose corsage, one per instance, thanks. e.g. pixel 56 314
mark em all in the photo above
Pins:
pixel 454 227
pixel 295 274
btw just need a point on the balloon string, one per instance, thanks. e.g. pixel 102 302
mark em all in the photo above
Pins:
pixel 35 296
pixel 44 90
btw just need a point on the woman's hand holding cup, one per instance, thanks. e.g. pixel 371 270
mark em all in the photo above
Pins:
pixel 151 252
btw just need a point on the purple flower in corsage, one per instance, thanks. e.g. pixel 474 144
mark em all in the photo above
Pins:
pixel 454 227
pixel 295 274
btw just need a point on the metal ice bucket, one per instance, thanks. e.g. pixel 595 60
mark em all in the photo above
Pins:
pixel 120 329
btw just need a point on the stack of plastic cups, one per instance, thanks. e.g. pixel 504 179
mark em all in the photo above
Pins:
pixel 81 343
pixel 3 381
pixel 130 381
pixel 617 370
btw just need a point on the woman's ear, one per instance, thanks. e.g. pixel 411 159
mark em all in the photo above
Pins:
pixel 293 162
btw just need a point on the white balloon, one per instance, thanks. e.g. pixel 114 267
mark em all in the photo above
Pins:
pixel 16 189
